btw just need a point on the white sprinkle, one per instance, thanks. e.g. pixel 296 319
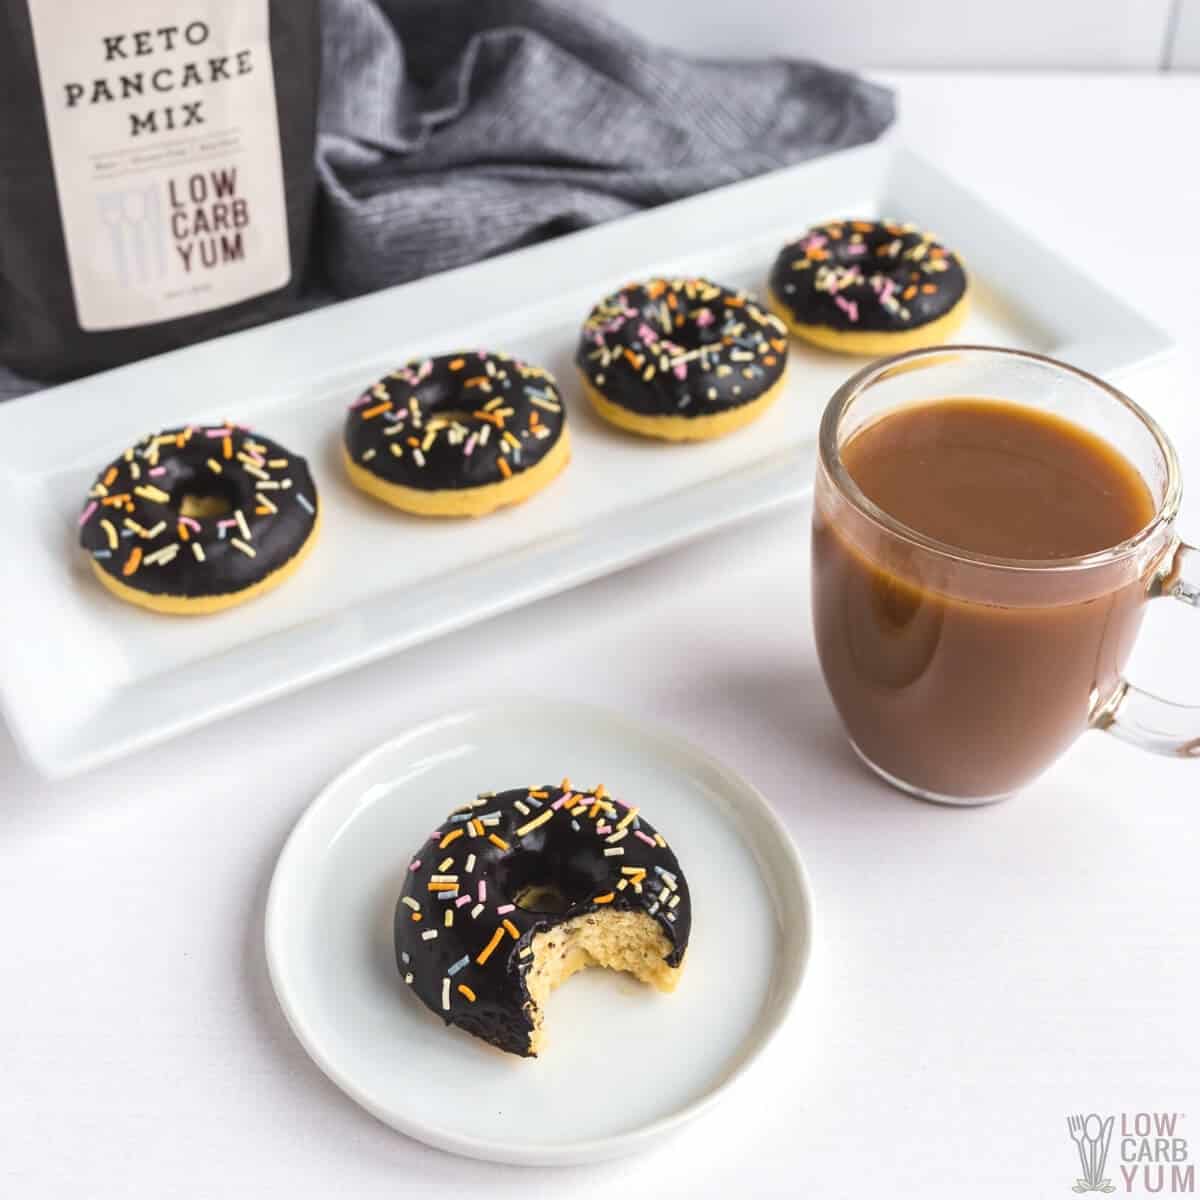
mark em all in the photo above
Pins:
pixel 404 957
pixel 238 544
pixel 470 865
pixel 446 992
pixel 198 551
pixel 305 503
pixel 411 903
pixel 408 977
pixel 477 910
pixel 610 851
pixel 429 935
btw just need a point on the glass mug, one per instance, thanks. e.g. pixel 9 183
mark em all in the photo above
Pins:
pixel 960 677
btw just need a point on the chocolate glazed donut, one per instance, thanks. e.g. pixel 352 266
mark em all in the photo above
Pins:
pixel 516 891
pixel 457 435
pixel 681 359
pixel 871 287
pixel 196 519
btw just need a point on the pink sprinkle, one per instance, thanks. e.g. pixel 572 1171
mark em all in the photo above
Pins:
pixel 565 798
pixel 436 835
pixel 648 840
pixel 814 242
pixel 192 523
pixel 156 471
pixel 849 307
pixel 461 901
pixel 602 828
pixel 647 334
pixel 505 908
pixel 415 865
pixel 681 370
pixel 365 398
pixel 482 892
pixel 856 248
pixel 225 524
pixel 87 512
pixel 469 448
pixel 256 458
pixel 225 431
pixel 705 317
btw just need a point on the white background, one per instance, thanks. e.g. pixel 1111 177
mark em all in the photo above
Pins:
pixel 978 975
pixel 1104 34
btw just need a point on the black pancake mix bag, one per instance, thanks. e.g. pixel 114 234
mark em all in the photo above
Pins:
pixel 156 179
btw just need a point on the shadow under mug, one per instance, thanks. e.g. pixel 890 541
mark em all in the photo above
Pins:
pixel 960 677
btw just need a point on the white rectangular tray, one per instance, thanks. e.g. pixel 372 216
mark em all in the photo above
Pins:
pixel 85 679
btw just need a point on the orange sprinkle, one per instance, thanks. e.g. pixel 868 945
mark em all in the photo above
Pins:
pixel 514 932
pixel 909 292
pixel 505 469
pixel 184 536
pixel 607 898
pixel 486 952
pixel 416 916
pixel 260 511
pixel 671 301
pixel 118 499
pixel 133 561
pixel 227 446
pixel 929 288
pixel 491 418
pixel 463 990
pixel 457 364
pixel 375 410
pixel 497 841
pixel 443 887
pixel 770 360
pixel 778 345
pixel 454 833
pixel 533 418
pixel 476 827
pixel 109 476
pixel 735 301
pixel 475 381
pixel 635 360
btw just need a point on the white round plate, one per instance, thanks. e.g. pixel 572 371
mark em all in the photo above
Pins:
pixel 636 1062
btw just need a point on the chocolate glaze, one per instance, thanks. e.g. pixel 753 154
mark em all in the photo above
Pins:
pixel 450 422
pixel 871 275
pixel 514 850
pixel 139 495
pixel 681 347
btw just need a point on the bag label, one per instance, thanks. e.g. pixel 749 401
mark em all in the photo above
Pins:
pixel 165 143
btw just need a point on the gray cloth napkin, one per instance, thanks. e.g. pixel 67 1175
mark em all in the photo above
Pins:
pixel 451 130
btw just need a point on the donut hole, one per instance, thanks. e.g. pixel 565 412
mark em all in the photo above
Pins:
pixel 204 498
pixel 542 882
pixel 541 898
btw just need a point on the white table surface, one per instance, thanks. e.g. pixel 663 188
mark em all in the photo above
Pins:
pixel 978 974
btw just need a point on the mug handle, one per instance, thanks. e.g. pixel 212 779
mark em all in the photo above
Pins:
pixel 1146 720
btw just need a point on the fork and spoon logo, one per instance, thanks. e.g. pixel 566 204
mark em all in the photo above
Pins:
pixel 1091 1135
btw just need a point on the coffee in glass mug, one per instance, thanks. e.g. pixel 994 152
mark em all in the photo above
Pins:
pixel 988 526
